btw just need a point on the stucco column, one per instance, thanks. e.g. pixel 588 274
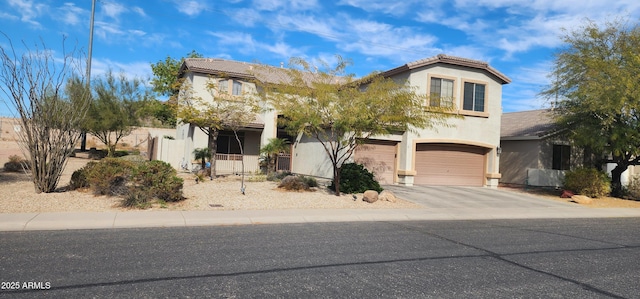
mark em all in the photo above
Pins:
pixel 405 160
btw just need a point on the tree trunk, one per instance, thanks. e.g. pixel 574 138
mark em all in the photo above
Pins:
pixel 336 179
pixel 242 161
pixel 213 146
pixel 616 179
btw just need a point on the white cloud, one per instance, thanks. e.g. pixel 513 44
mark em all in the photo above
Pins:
pixel 247 45
pixel 285 5
pixel 191 8
pixel 113 9
pixel 131 70
pixel 380 39
pixel 70 14
pixel 325 28
pixel 107 31
pixel 28 10
pixel 139 11
pixel 396 8
pixel 246 16
pixel 7 16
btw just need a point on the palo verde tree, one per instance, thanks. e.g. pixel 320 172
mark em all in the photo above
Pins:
pixel 38 86
pixel 114 109
pixel 595 80
pixel 328 105
pixel 219 111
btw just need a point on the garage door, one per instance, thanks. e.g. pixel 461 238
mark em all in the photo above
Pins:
pixel 378 157
pixel 449 165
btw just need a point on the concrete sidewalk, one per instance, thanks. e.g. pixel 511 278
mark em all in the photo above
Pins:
pixel 136 219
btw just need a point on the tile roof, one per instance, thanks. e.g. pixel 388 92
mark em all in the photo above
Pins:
pixel 453 60
pixel 533 124
pixel 242 70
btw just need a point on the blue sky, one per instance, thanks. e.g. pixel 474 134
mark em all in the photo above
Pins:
pixel 516 37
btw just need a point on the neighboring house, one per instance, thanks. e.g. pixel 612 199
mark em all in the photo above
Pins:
pixel 465 153
pixel 534 152
pixel 234 79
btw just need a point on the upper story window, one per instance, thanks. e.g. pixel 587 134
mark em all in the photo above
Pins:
pixel 225 85
pixel 237 88
pixel 441 92
pixel 474 97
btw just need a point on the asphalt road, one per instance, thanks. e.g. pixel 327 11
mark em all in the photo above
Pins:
pixel 577 258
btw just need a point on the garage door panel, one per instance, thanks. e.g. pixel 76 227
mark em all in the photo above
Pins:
pixel 378 157
pixel 445 164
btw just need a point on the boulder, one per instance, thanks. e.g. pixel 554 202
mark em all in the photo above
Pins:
pixel 581 199
pixel 370 196
pixel 566 194
pixel 387 196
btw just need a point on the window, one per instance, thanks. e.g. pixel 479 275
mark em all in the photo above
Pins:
pixel 473 97
pixel 236 87
pixel 223 86
pixel 561 157
pixel 441 92
pixel 227 143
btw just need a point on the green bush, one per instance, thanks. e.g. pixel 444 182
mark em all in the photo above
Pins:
pixel 139 183
pixel 16 164
pixel 79 178
pixel 159 180
pixel 109 176
pixel 354 178
pixel 588 182
pixel 310 181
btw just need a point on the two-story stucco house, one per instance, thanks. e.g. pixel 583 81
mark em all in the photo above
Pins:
pixel 464 153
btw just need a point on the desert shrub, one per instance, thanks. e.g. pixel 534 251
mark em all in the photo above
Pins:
pixel 16 164
pixel 139 183
pixel 587 181
pixel 109 176
pixel 278 176
pixel 310 181
pixel 633 190
pixel 354 178
pixel 293 182
pixel 79 178
pixel 137 198
pixel 257 178
pixel 159 180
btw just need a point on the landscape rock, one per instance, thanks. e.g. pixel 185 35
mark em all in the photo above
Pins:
pixel 370 196
pixel 581 199
pixel 566 194
pixel 387 196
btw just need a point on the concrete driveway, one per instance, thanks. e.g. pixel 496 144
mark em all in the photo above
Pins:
pixel 439 197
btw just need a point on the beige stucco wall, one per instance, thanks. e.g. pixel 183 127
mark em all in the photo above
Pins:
pixel 310 158
pixel 516 158
pixel 481 130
